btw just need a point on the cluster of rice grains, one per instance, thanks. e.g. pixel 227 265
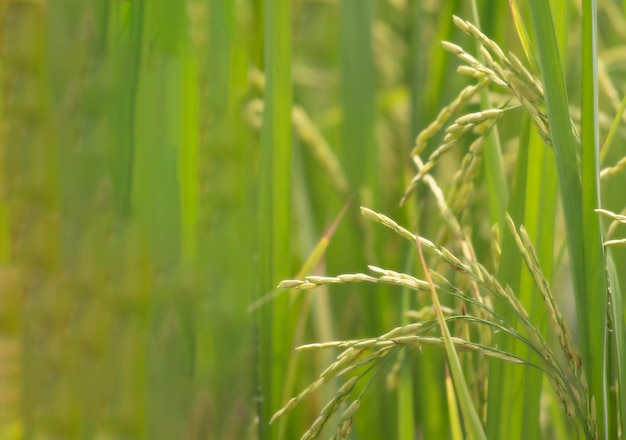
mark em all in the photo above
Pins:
pixel 474 285
pixel 497 68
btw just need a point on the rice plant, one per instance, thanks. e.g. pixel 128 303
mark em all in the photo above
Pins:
pixel 488 318
pixel 165 164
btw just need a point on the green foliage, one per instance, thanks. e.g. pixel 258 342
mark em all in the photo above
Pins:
pixel 167 164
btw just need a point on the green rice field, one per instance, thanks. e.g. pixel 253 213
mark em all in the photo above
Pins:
pixel 346 219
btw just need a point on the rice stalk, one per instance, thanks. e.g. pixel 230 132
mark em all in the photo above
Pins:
pixel 569 386
pixel 505 71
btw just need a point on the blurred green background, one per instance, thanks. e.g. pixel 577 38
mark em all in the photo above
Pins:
pixel 166 163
